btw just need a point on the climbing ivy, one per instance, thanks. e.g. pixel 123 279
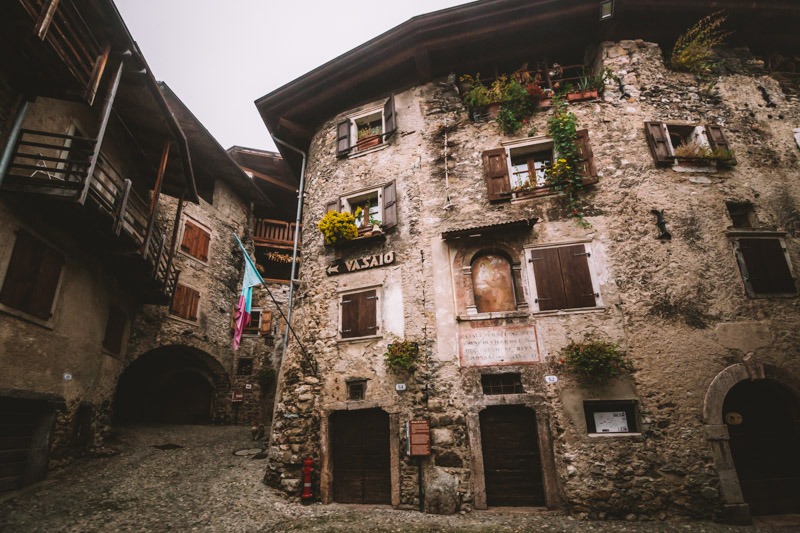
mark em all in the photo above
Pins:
pixel 565 175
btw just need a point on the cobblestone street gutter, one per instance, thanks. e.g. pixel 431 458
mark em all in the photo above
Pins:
pixel 202 486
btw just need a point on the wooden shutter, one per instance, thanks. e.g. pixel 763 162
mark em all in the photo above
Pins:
pixel 32 276
pixel 657 140
pixel 188 244
pixel 589 170
pixel 389 118
pixel 349 304
pixel 578 289
pixel 343 138
pixel 389 205
pixel 266 322
pixel 178 301
pixel 767 270
pixel 332 206
pixel 367 309
pixel 717 139
pixel 495 170
pixel 185 302
pixel 193 303
pixel 115 330
pixel 203 240
pixel 547 273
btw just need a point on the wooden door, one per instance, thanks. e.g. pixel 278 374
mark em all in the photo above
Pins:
pixel 511 463
pixel 360 453
pixel 763 421
pixel 18 420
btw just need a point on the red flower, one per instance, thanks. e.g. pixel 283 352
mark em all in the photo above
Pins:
pixel 575 211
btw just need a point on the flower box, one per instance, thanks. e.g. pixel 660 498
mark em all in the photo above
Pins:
pixel 577 96
pixel 368 142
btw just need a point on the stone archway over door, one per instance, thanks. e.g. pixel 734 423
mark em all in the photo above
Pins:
pixel 736 509
pixel 762 419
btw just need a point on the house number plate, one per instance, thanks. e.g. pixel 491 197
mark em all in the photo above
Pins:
pixel 362 263
pixel 551 379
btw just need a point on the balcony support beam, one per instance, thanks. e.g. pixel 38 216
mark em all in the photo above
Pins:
pixel 45 18
pixel 154 200
pixel 108 103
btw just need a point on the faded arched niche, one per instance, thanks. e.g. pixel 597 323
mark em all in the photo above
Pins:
pixel 493 284
pixel 732 400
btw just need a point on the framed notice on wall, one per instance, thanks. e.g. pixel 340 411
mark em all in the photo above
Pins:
pixel 418 435
pixel 611 422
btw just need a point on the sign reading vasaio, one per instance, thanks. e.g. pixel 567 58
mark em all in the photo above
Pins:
pixel 344 266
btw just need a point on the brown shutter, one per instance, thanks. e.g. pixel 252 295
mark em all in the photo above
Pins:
pixel 578 290
pixel 343 138
pixel 547 273
pixel 189 237
pixel 19 282
pixel 767 270
pixel 495 170
pixel 46 283
pixel 389 206
pixel 115 330
pixel 266 323
pixel 332 206
pixel 203 240
pixel 389 118
pixel 589 170
pixel 193 302
pixel 367 313
pixel 717 139
pixel 657 140
pixel 349 304
pixel 178 301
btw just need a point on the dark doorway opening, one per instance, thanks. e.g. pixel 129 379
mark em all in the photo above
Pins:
pixel 170 385
pixel 361 457
pixel 24 442
pixel 511 464
pixel 763 420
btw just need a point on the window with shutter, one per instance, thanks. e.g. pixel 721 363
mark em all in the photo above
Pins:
pixel 563 278
pixel 185 302
pixel 765 267
pixel 370 208
pixel 254 326
pixel 115 330
pixel 693 144
pixel 495 172
pixel 359 314
pixel 32 277
pixel 366 130
pixel 196 241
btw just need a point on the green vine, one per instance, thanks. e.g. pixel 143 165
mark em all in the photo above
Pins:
pixel 593 361
pixel 565 176
pixel 401 355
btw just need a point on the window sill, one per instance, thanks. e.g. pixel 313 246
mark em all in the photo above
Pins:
pixel 380 237
pixel 359 339
pixel 192 258
pixel 523 195
pixel 492 316
pixel 183 320
pixel 367 151
pixel 22 315
pixel 754 232
pixel 576 311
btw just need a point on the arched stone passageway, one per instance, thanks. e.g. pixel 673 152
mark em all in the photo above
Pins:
pixel 174 385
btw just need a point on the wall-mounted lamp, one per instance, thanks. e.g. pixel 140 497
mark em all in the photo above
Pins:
pixel 606 9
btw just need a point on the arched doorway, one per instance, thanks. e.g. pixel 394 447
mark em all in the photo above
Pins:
pixel 763 421
pixel 172 385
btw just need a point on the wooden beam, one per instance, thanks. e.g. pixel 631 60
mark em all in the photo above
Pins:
pixel 295 129
pixel 122 206
pixel 45 18
pixel 273 181
pixel 97 75
pixel 173 245
pixel 162 167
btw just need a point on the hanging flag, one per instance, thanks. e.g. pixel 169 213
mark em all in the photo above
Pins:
pixel 251 279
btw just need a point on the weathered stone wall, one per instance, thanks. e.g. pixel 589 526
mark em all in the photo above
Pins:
pixel 678 307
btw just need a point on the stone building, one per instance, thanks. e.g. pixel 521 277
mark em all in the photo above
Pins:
pixel 492 280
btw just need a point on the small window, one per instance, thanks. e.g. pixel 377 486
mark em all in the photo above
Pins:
pixel 195 241
pixel 671 143
pixel 563 278
pixel 356 389
pixel 509 383
pixel 359 314
pixel 742 215
pixel 372 207
pixel 493 284
pixel 244 367
pixel 32 276
pixel 367 130
pixel 115 330
pixel 185 302
pixel 765 267
pixel 528 169
pixel 615 416
pixel 254 326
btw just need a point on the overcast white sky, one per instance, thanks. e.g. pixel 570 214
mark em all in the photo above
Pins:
pixel 220 55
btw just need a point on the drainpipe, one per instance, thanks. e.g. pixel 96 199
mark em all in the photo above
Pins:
pixel 296 239
pixel 13 135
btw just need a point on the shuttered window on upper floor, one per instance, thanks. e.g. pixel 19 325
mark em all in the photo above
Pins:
pixel 562 277
pixel 765 267
pixel 195 241
pixel 32 277
pixel 185 302
pixel 359 314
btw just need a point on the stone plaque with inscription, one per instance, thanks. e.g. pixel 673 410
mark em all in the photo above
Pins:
pixel 498 346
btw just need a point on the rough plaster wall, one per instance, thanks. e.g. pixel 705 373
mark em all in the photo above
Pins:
pixel 674 306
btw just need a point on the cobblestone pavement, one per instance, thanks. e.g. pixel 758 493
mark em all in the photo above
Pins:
pixel 203 486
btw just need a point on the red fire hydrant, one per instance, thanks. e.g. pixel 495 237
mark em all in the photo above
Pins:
pixel 308 469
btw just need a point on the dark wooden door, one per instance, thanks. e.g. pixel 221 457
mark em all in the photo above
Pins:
pixel 18 419
pixel 763 421
pixel 511 462
pixel 360 452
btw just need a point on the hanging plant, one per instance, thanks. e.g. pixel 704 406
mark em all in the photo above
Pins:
pixel 565 175
pixel 402 355
pixel 338 227
pixel 278 257
pixel 593 361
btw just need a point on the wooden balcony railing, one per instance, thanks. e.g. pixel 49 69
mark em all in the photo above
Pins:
pixel 276 232
pixel 56 166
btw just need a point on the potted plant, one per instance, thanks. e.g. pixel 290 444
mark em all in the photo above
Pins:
pixel 593 361
pixel 337 227
pixel 376 226
pixel 586 88
pixel 546 100
pixel 402 355
pixel 369 135
pixel 475 97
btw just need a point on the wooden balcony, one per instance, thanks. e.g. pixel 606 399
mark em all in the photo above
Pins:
pixel 275 233
pixel 102 208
